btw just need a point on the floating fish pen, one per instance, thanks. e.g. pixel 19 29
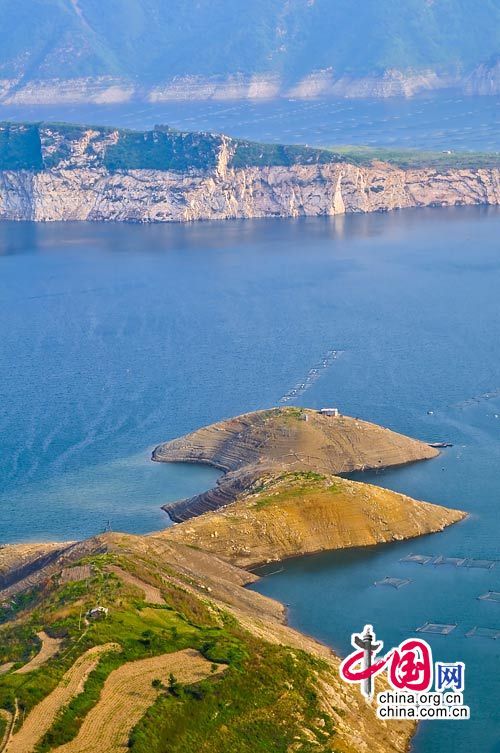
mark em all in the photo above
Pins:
pixel 436 628
pixel 393 582
pixel 428 559
pixel 482 564
pixel 484 632
pixel 418 559
pixel 490 596
pixel 454 561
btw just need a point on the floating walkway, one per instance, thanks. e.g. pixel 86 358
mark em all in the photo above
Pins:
pixel 312 376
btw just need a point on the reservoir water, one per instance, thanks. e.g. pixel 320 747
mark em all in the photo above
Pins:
pixel 431 121
pixel 116 337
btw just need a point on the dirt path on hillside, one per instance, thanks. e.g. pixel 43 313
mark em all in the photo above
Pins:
pixel 151 593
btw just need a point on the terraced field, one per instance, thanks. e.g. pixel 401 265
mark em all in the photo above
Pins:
pixel 127 694
pixel 151 593
pixel 43 714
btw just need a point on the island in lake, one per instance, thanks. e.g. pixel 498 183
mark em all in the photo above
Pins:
pixel 163 622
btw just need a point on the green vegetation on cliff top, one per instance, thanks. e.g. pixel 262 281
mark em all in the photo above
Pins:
pixel 38 146
pixel 414 158
pixel 35 146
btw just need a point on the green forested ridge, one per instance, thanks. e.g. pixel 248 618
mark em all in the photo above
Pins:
pixel 151 40
pixel 167 149
pixel 160 149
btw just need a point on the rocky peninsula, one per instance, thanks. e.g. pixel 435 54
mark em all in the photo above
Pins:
pixel 281 440
pixel 302 513
pixel 174 599
pixel 281 495
pixel 62 172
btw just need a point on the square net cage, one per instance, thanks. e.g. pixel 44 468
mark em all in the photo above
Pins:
pixel 453 561
pixel 482 564
pixel 490 596
pixel 484 632
pixel 393 582
pixel 437 628
pixel 418 559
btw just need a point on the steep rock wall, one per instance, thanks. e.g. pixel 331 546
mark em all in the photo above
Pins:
pixel 94 193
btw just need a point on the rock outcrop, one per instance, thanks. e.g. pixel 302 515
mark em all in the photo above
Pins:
pixel 56 173
pixel 112 90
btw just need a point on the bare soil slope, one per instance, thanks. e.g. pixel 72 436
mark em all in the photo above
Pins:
pixel 301 513
pixel 283 439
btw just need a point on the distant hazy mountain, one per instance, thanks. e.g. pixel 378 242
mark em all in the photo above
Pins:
pixel 122 48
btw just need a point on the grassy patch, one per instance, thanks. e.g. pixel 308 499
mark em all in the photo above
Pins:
pixel 254 154
pixel 265 702
pixel 414 158
pixel 289 486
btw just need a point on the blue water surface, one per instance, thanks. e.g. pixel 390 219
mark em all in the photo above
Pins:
pixel 116 337
pixel 439 121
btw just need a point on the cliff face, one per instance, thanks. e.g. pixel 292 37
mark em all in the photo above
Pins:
pixel 87 193
pixel 56 172
pixel 485 79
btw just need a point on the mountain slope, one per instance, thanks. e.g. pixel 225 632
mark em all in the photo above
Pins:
pixel 110 679
pixel 143 43
pixel 301 513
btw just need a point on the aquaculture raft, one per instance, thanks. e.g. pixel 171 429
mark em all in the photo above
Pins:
pixel 436 628
pixel 483 632
pixel 432 559
pixel 490 596
pixel 393 582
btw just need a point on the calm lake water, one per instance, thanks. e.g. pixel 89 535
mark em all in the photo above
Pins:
pixel 116 337
pixel 430 121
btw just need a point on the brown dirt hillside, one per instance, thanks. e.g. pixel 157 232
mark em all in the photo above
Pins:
pixel 300 513
pixel 283 439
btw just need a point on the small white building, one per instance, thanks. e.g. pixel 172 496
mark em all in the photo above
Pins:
pixel 97 613
pixel 330 412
